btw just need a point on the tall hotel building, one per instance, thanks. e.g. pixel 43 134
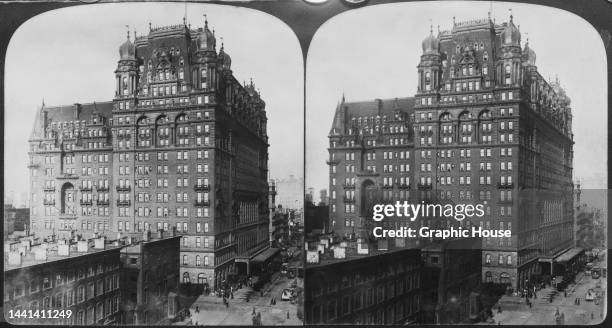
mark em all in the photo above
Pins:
pixel 484 127
pixel 182 145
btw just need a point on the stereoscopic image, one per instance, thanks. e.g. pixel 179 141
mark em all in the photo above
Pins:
pixel 142 148
pixel 305 163
pixel 460 150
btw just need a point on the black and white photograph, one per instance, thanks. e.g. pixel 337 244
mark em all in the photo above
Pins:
pixel 495 111
pixel 143 145
pixel 305 162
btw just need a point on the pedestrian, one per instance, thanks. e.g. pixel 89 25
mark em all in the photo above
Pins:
pixel 499 309
pixel 592 315
pixel 287 314
pixel 197 309
pixel 565 293
pixel 253 310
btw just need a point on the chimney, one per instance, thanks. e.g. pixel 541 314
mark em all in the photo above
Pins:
pixel 14 258
pixel 40 254
pixel 82 246
pixel 99 243
pixel 362 248
pixel 379 103
pixel 383 244
pixel 77 111
pixel 321 248
pixel 26 243
pixel 312 257
pixel 63 250
pixel 339 252
pixel 45 120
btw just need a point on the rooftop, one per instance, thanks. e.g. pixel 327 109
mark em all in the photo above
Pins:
pixel 38 253
pixel 46 253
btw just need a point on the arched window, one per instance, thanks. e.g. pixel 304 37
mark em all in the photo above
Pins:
pixel 198 260
pixel 186 278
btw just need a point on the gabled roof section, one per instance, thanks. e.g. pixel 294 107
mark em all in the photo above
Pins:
pixel 66 113
pixel 346 111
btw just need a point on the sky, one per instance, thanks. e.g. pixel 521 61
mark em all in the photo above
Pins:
pixel 69 55
pixel 373 52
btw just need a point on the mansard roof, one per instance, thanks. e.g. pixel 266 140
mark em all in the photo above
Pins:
pixel 346 111
pixel 67 113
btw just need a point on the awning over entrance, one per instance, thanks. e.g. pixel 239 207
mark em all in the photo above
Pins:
pixel 569 255
pixel 265 255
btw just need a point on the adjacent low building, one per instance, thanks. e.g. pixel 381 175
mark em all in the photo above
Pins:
pixel 81 277
pixel 150 277
pixel 131 280
pixel 361 283
pixel 451 275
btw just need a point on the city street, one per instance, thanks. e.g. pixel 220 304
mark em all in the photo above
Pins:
pixel 544 312
pixel 212 310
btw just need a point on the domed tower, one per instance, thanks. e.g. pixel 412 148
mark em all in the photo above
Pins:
pixel 225 61
pixel 126 73
pixel 509 71
pixel 430 66
pixel 206 39
pixel 205 68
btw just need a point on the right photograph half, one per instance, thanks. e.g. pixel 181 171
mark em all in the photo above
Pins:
pixel 456 166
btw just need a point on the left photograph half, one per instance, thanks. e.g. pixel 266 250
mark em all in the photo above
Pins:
pixel 149 154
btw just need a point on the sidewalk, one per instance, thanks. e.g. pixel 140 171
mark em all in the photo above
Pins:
pixel 515 311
